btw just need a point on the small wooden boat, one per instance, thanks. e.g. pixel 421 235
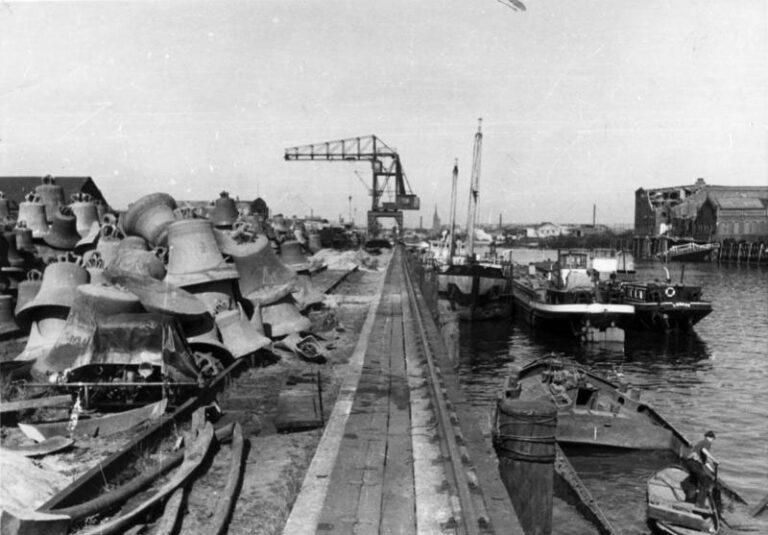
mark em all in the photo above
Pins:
pixel 669 512
pixel 99 426
pixel 592 410
pixel 690 252
pixel 193 457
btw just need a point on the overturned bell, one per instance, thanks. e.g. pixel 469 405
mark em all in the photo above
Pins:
pixel 193 255
pixel 292 255
pixel 51 195
pixel 217 296
pixel 239 336
pixel 224 212
pixel 63 231
pixel 282 318
pixel 85 212
pixel 92 303
pixel 57 292
pixel 32 213
pixel 210 342
pixel 263 277
pixel 149 217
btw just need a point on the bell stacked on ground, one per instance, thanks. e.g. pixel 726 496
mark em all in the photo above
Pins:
pixel 108 243
pixel 32 213
pixel 525 446
pixel 85 212
pixel 283 317
pixel 62 233
pixel 150 217
pixel 168 300
pixel 224 212
pixel 264 279
pixel 24 237
pixel 27 289
pixel 292 255
pixel 51 195
pixel 46 313
pixel 240 337
pixel 194 256
pixel 92 303
pixel 133 256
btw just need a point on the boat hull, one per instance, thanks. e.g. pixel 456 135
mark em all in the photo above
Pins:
pixel 569 318
pixel 596 412
pixel 667 316
pixel 475 292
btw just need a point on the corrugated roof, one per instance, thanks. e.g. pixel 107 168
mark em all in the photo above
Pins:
pixel 739 203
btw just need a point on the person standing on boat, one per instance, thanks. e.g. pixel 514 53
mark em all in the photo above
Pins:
pixel 701 464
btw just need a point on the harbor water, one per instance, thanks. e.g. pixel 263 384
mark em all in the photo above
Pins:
pixel 715 378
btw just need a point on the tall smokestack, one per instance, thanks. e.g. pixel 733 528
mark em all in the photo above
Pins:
pixel 594 215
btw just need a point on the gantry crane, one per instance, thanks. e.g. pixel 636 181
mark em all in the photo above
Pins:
pixel 385 164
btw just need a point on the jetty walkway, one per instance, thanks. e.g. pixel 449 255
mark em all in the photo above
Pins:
pixel 401 451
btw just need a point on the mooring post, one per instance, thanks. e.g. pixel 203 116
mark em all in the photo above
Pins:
pixel 525 445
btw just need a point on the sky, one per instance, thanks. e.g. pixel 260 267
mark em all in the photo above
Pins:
pixel 582 101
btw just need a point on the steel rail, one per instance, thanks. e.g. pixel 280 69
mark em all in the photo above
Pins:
pixel 468 514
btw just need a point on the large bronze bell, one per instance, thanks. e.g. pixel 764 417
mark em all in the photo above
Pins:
pixel 85 212
pixel 27 289
pixel 51 195
pixel 292 255
pixel 92 303
pixel 43 334
pixel 57 292
pixel 224 212
pixel 239 336
pixel 63 231
pixel 263 277
pixel 282 318
pixel 149 217
pixel 32 213
pixel 194 256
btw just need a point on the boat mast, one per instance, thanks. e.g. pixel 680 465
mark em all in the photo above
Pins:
pixel 474 190
pixel 452 231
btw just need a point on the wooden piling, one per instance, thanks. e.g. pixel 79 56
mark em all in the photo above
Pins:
pixel 525 445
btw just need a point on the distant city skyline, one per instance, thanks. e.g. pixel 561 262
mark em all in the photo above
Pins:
pixel 582 102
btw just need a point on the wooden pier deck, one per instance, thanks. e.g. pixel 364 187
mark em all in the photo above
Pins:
pixel 394 457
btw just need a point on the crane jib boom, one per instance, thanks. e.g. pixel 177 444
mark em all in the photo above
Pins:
pixel 385 164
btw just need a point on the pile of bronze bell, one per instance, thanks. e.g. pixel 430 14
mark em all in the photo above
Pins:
pixel 160 292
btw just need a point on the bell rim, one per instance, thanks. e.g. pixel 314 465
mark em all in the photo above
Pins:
pixel 185 280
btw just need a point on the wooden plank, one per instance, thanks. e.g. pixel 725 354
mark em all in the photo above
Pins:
pixel 298 409
pixel 34 403
pixel 224 508
pixel 101 426
pixel 398 494
pixel 50 445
